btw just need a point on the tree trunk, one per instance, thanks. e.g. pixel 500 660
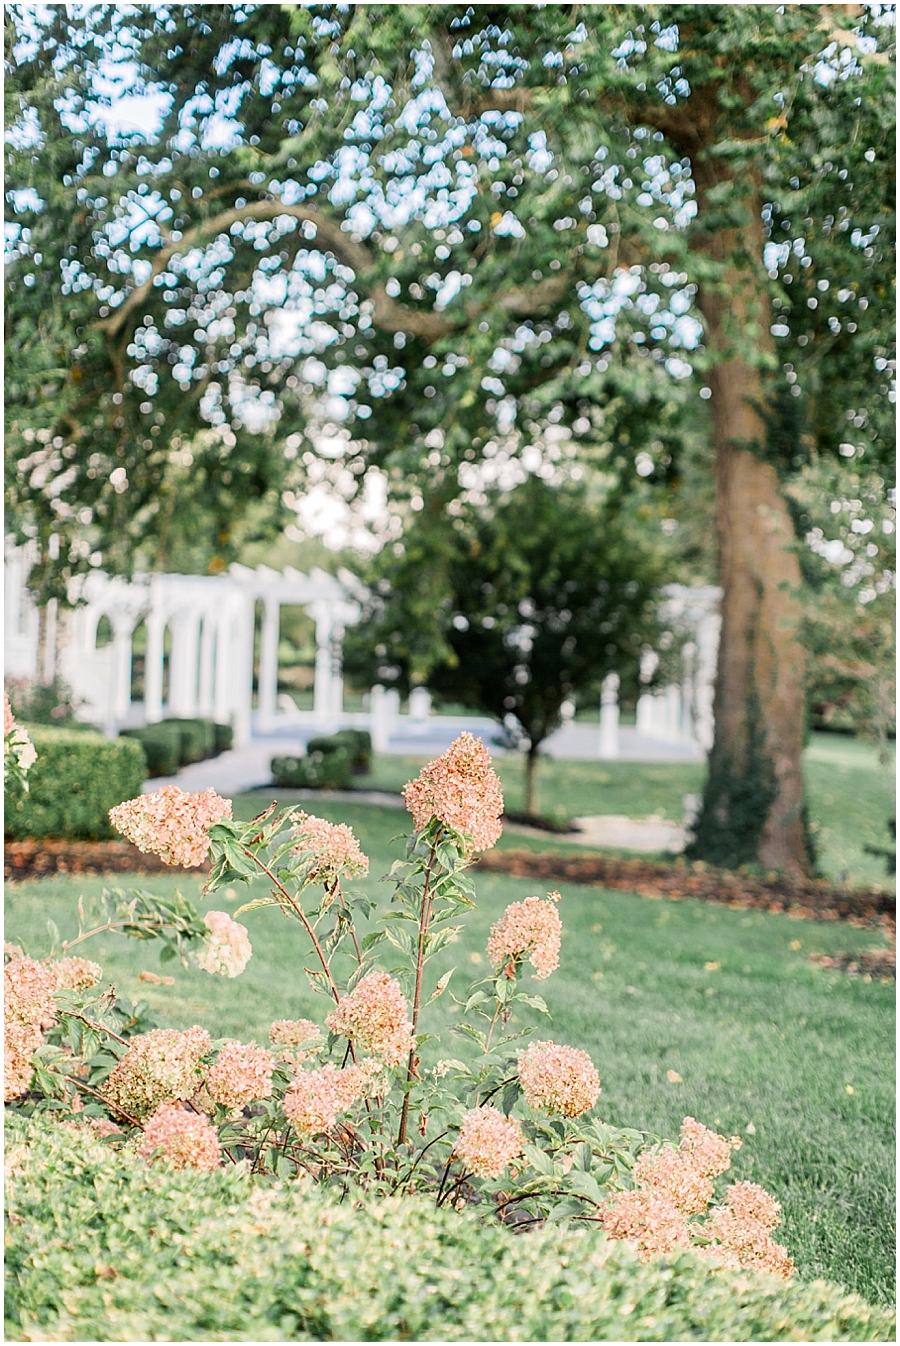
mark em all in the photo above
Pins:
pixel 531 795
pixel 753 806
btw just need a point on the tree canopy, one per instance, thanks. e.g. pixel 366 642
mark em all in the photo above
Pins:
pixel 448 243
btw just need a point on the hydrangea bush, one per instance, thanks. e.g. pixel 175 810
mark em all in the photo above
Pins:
pixel 364 1101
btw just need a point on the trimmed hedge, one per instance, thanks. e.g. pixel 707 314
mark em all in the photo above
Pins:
pixel 357 741
pixel 102 1248
pixel 170 744
pixel 77 778
pixel 319 770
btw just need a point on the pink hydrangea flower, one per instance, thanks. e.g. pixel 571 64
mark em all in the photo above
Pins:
pixel 295 1039
pixel 171 824
pixel 488 1141
pixel 316 1098
pixel 649 1221
pixel 331 848
pixel 375 1015
pixel 240 1075
pixel 29 1010
pixel 558 1079
pixel 710 1152
pixel 533 927
pixel 740 1232
pixel 226 949
pixel 184 1138
pixel 462 790
pixel 159 1067
pixel 673 1174
pixel 75 974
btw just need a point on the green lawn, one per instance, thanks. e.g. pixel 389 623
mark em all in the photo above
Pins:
pixel 851 797
pixel 725 998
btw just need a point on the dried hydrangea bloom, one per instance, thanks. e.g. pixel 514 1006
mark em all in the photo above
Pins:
pixel 673 1173
pixel 159 1067
pixel 75 974
pixel 488 1141
pixel 171 824
pixel 295 1039
pixel 331 849
pixel 740 1232
pixel 28 1011
pixel 710 1152
pixel 558 1079
pixel 649 1221
pixel 316 1098
pixel 184 1138
pixel 226 949
pixel 375 1015
pixel 19 745
pixel 462 790
pixel 240 1074
pixel 530 927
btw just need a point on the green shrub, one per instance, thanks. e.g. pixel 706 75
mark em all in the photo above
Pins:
pixel 161 744
pixel 330 770
pixel 357 741
pixel 198 739
pixel 223 737
pixel 102 1248
pixel 77 778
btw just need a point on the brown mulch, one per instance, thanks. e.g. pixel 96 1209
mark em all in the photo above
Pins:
pixel 38 859
pixel 797 897
pixel 881 963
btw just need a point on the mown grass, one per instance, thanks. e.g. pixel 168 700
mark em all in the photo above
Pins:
pixel 796 1059
pixel 850 797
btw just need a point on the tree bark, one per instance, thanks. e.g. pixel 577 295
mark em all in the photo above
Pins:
pixel 753 807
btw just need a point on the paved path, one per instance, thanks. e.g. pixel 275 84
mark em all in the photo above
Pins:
pixel 245 768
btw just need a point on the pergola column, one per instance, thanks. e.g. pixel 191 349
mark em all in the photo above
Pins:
pixel 322 685
pixel 268 661
pixel 207 657
pixel 183 672
pixel 609 717
pixel 337 670
pixel 153 666
pixel 120 699
pixel 242 673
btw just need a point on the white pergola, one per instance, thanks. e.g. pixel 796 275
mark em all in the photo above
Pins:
pixel 211 622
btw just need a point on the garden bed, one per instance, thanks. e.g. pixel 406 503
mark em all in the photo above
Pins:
pixel 798 897
pixel 38 859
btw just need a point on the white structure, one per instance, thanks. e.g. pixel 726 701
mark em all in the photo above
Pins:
pixel 205 666
pixel 211 624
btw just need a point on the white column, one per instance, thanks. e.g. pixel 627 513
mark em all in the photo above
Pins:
pixel 48 672
pixel 322 684
pixel 121 666
pixel 688 655
pixel 336 691
pixel 609 717
pixel 207 645
pixel 183 669
pixel 240 661
pixel 647 720
pixel 671 700
pixel 268 662
pixel 153 667
pixel 222 664
pixel 419 709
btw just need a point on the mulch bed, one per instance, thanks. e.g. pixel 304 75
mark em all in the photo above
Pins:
pixel 798 897
pixel 38 859
pixel 881 963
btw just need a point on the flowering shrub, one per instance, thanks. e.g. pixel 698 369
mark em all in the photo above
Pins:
pixel 19 753
pixel 352 1102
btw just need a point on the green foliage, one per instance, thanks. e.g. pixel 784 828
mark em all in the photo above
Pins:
pixel 101 1248
pixel 511 607
pixel 357 741
pixel 319 769
pixel 77 778
pixel 174 743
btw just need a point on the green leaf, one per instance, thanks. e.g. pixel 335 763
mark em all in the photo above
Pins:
pixel 258 902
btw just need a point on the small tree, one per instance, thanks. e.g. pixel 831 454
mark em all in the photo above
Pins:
pixel 518 606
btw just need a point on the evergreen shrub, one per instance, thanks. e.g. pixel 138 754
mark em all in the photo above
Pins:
pixel 77 778
pixel 331 770
pixel 103 1248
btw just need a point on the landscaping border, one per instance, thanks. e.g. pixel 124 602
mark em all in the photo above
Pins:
pixel 776 893
pixel 39 859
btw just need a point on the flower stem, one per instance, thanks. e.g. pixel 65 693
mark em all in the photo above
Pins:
pixel 424 917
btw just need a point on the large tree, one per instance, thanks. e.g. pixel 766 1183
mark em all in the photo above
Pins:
pixel 454 238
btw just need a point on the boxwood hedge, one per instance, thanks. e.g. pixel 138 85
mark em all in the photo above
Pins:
pixel 77 778
pixel 101 1248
